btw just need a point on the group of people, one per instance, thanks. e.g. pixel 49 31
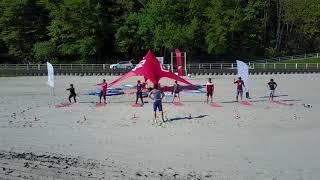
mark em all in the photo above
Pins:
pixel 156 94
pixel 103 92
pixel 240 86
pixel 210 89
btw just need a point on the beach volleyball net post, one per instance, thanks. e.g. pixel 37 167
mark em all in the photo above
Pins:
pixel 174 62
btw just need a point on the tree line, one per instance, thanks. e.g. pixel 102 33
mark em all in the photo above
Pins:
pixel 100 31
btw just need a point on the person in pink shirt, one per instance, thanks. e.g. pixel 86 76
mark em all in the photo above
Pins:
pixel 103 92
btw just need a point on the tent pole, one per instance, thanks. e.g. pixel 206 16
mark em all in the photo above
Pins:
pixel 171 61
pixel 185 63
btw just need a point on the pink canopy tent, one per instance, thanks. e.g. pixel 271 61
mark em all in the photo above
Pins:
pixel 152 70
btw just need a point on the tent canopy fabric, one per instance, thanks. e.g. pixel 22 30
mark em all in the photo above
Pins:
pixel 152 70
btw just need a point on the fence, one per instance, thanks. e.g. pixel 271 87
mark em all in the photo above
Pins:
pixel 195 66
pixel 55 66
pixel 91 69
pixel 254 66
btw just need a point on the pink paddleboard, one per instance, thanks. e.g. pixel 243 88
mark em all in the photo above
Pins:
pixel 281 103
pixel 137 105
pixel 98 104
pixel 66 104
pixel 215 105
pixel 246 103
pixel 178 103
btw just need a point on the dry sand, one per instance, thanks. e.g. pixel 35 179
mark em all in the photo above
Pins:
pixel 263 141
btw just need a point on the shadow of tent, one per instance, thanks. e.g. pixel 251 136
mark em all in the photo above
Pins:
pixel 186 118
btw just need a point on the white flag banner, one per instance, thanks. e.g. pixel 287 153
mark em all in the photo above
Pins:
pixel 50 75
pixel 243 72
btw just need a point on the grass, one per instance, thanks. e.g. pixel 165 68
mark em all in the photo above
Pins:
pixel 310 63
pixel 8 75
pixel 308 60
pixel 286 66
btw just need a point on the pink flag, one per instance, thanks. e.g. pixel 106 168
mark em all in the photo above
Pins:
pixel 152 70
pixel 179 61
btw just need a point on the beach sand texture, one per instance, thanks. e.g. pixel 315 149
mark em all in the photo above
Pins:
pixel 198 141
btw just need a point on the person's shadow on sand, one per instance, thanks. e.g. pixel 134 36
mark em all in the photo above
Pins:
pixel 186 118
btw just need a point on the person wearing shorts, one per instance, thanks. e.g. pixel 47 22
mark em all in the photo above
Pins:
pixel 176 91
pixel 139 87
pixel 103 92
pixel 272 87
pixel 157 95
pixel 210 89
pixel 72 93
pixel 240 85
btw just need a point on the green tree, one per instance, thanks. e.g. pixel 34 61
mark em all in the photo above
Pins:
pixel 74 27
pixel 224 19
pixel 22 24
pixel 97 30
pixel 162 25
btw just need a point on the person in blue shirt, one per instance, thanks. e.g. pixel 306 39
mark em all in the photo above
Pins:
pixel 157 95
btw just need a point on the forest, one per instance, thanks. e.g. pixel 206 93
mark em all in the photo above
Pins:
pixel 104 31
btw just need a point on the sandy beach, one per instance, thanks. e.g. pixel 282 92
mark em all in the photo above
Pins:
pixel 264 141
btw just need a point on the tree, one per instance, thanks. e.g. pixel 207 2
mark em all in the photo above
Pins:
pixel 162 25
pixel 23 23
pixel 224 20
pixel 97 30
pixel 74 27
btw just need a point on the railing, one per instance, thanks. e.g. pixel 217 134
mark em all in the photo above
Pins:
pixel 199 66
pixel 55 66
pixel 256 66
pixel 285 58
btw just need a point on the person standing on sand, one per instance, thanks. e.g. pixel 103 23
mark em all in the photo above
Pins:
pixel 72 93
pixel 139 87
pixel 176 91
pixel 157 95
pixel 103 91
pixel 210 90
pixel 240 85
pixel 272 87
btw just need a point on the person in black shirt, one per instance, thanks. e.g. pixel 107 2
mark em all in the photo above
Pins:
pixel 139 88
pixel 272 87
pixel 176 91
pixel 72 93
